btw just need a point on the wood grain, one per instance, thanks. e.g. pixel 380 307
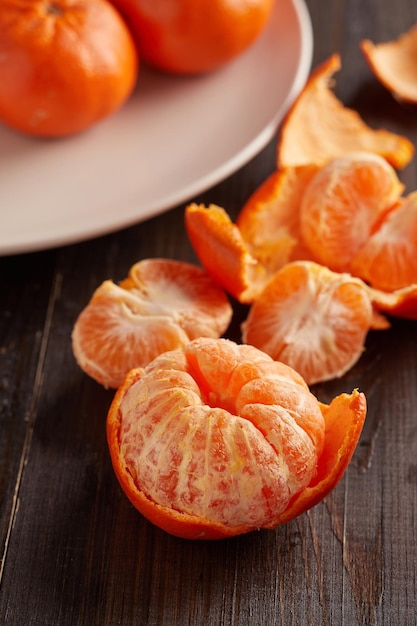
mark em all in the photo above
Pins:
pixel 76 553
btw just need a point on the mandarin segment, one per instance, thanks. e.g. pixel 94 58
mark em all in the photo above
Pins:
pixel 343 204
pixel 112 335
pixel 205 458
pixel 162 305
pixel 318 127
pixel 311 318
pixel 183 291
pixel 388 259
pixel 394 64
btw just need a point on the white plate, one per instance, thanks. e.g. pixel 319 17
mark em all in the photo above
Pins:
pixel 175 138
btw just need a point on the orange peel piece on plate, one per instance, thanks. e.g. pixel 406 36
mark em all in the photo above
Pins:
pixel 221 249
pixel 319 127
pixel 394 63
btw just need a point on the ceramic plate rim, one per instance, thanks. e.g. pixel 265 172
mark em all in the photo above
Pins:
pixel 94 226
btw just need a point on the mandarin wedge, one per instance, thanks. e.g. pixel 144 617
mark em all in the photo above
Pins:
pixel 343 204
pixel 388 259
pixel 269 221
pixel 311 318
pixel 162 305
pixel 394 64
pixel 318 127
pixel 221 249
pixel 216 439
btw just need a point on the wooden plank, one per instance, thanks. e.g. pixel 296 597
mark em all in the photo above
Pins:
pixel 25 305
pixel 79 554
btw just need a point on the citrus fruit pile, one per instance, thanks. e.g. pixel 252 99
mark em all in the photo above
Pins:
pixel 210 438
pixel 325 248
pixel 67 64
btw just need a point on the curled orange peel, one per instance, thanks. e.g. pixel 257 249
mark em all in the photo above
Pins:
pixel 223 252
pixel 243 256
pixel 319 127
pixel 344 419
pixel 399 303
pixel 394 64
pixel 269 221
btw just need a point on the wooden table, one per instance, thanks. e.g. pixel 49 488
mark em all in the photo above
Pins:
pixel 74 550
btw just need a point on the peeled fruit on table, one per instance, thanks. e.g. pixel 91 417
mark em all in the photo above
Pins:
pixel 216 439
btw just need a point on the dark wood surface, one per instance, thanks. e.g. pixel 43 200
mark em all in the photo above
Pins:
pixel 76 553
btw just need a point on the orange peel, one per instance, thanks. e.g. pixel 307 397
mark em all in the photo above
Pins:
pixel 319 127
pixel 344 422
pixel 221 249
pixel 394 64
pixel 269 221
pixel 244 255
pixel 400 303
